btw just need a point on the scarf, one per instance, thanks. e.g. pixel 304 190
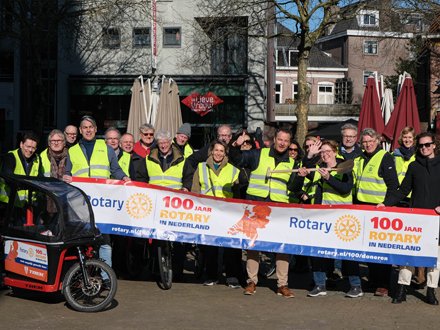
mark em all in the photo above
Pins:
pixel 406 152
pixel 57 163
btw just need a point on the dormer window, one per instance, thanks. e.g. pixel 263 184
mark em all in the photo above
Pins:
pixel 368 18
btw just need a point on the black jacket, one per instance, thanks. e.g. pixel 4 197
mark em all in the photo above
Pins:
pixel 423 179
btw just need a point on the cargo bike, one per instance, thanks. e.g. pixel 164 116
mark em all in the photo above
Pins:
pixel 51 242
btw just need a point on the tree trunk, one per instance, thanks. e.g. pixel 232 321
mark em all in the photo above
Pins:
pixel 302 106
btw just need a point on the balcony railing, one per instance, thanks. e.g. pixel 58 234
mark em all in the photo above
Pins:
pixel 328 110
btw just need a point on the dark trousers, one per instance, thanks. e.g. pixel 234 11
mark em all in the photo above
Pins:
pixel 379 275
pixel 231 261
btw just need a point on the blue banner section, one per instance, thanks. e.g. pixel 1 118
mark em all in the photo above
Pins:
pixel 30 263
pixel 314 251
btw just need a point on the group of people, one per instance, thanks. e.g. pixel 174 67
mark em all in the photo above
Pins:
pixel 236 167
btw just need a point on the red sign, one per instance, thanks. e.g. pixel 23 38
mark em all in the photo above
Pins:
pixel 202 104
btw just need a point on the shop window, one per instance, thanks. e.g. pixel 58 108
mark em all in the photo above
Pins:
pixel 172 37
pixel 111 38
pixel 141 37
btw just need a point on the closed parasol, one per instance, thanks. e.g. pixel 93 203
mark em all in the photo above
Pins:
pixel 371 114
pixel 140 98
pixel 405 113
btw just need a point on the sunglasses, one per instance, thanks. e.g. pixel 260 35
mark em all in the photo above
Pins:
pixel 247 142
pixel 426 145
pixel 147 134
pixel 293 149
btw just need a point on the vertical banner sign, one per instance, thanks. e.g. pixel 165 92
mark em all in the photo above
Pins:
pixel 154 34
pixel 353 232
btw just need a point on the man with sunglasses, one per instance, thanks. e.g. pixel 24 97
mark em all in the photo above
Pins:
pixel 423 180
pixel 146 141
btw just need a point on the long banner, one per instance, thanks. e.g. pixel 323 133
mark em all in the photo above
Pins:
pixel 364 233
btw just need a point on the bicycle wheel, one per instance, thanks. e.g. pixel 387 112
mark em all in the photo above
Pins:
pixel 95 295
pixel 165 265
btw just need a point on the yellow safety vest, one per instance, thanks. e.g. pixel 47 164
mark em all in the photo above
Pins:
pixel 187 151
pixel 331 196
pixel 45 162
pixel 221 185
pixel 402 166
pixel 370 187
pixel 99 165
pixel 19 170
pixel 171 178
pixel 274 185
pixel 124 162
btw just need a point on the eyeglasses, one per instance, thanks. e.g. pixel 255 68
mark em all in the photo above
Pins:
pixel 112 138
pixel 325 151
pixel 349 136
pixel 368 142
pixel 293 149
pixel 55 141
pixel 147 134
pixel 70 134
pixel 426 145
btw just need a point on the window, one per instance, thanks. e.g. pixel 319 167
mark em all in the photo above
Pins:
pixel 293 57
pixel 370 47
pixel 172 37
pixel 141 37
pixel 366 74
pixel 325 93
pixel 111 38
pixel 294 91
pixel 278 92
pixel 281 57
pixel 368 18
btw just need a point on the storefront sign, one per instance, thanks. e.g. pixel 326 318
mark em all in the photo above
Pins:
pixel 202 104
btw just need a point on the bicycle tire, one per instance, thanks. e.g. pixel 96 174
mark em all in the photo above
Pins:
pixel 98 295
pixel 165 265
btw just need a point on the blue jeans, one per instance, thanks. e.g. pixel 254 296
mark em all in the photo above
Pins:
pixel 105 253
pixel 320 278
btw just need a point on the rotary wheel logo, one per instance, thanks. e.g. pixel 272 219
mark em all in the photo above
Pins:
pixel 347 228
pixel 139 206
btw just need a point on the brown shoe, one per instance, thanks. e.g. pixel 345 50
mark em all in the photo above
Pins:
pixel 250 289
pixel 381 292
pixel 285 292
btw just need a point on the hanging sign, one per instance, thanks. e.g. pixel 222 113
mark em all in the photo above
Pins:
pixel 202 104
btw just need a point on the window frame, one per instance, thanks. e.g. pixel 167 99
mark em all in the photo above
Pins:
pixel 370 44
pixel 370 13
pixel 109 38
pixel 325 94
pixel 366 74
pixel 141 45
pixel 278 93
pixel 168 45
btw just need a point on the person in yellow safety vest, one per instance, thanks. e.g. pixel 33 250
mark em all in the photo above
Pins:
pixel 21 161
pixel 127 143
pixel 332 188
pixel 112 138
pixel 54 157
pixel 217 177
pixel 272 187
pixel 165 166
pixel 405 155
pixel 181 140
pixel 375 178
pixel 92 158
pixel 312 145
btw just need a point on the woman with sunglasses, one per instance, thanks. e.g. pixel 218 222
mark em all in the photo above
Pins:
pixel 423 180
pixel 332 188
